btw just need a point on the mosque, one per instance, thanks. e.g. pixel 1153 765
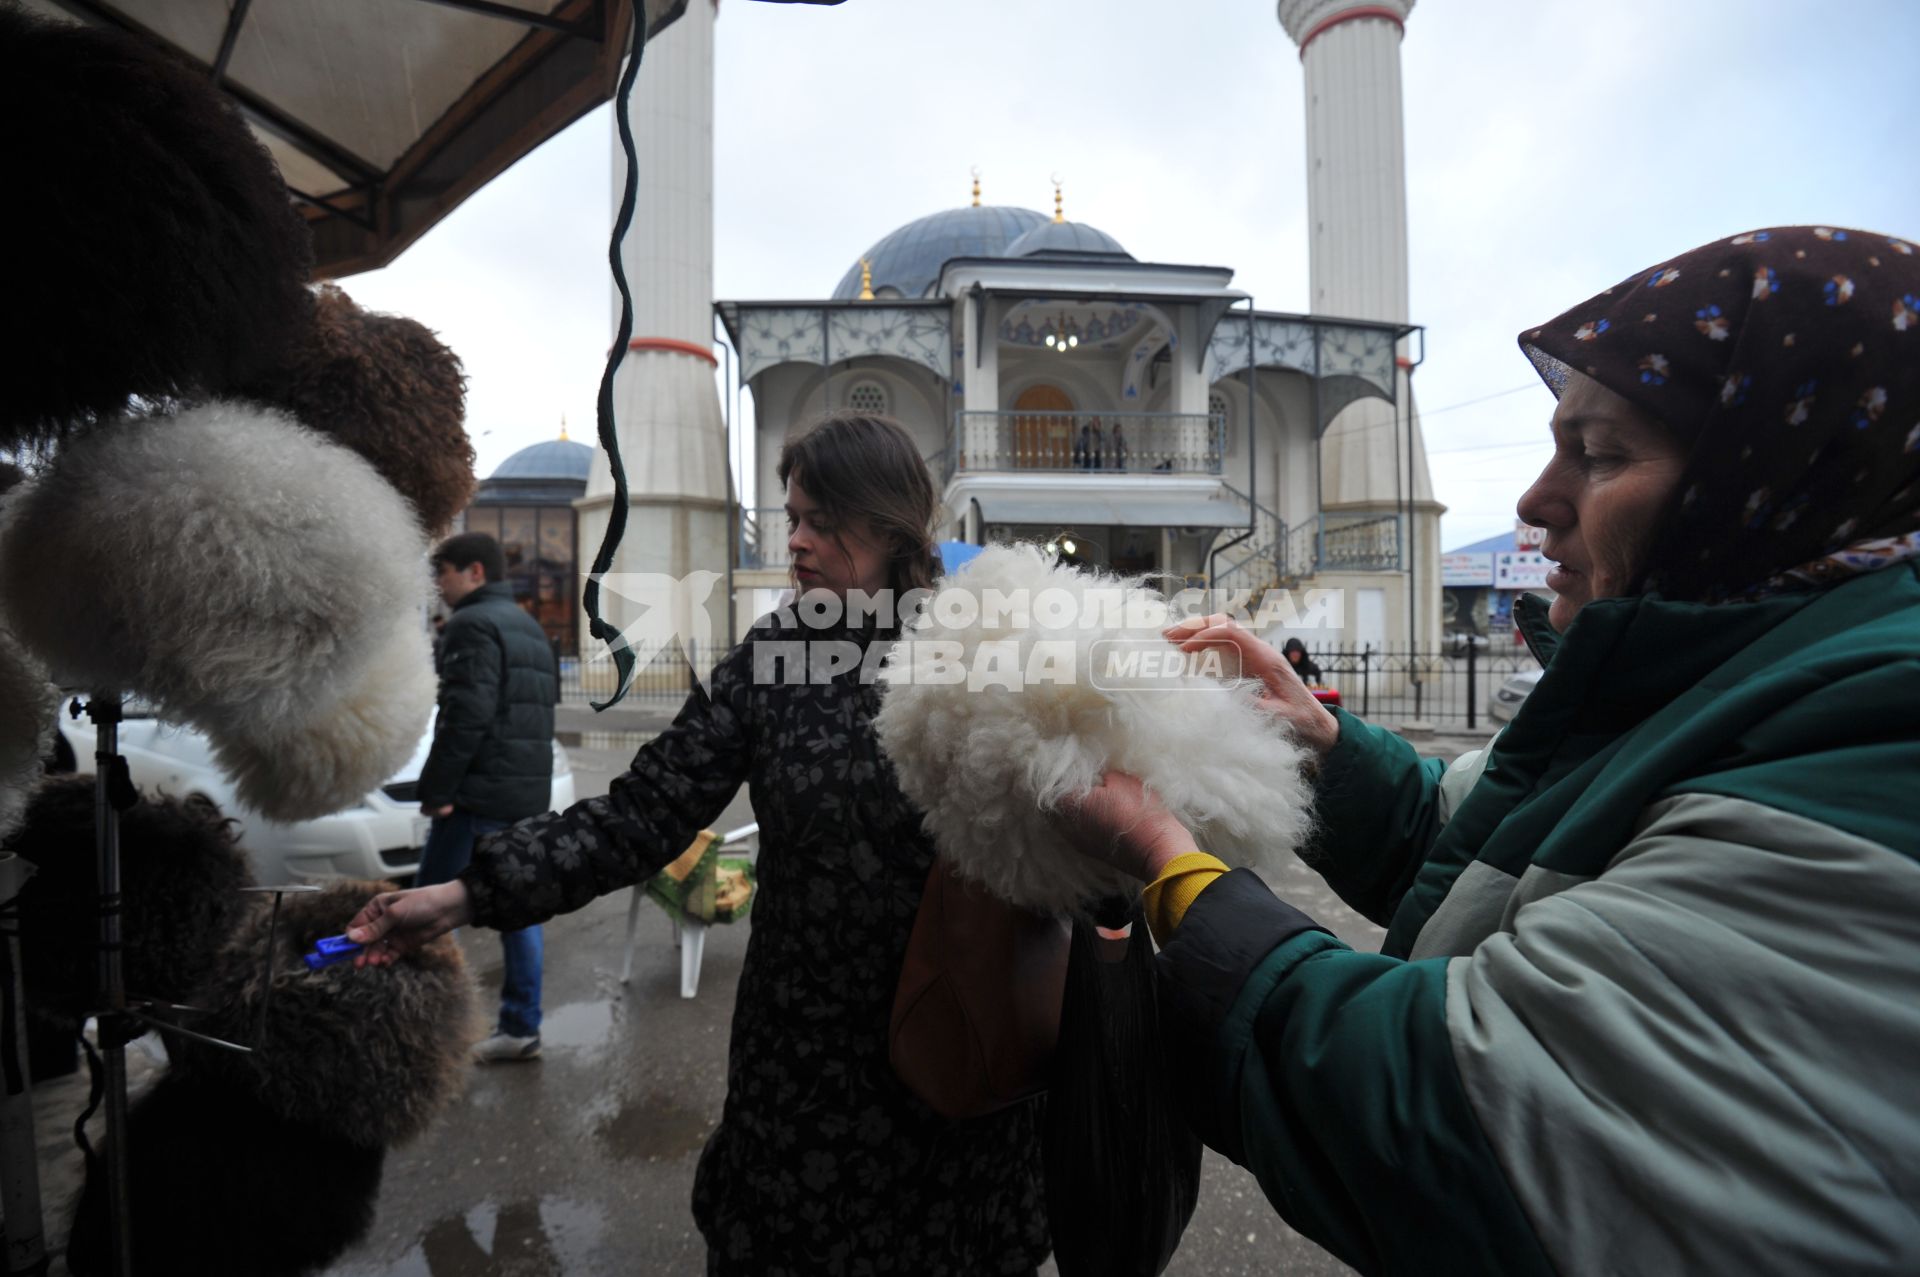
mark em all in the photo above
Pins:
pixel 1061 389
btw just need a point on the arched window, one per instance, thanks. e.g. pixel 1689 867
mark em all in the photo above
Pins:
pixel 868 397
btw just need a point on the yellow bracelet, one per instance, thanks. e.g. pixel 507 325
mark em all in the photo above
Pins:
pixel 1167 898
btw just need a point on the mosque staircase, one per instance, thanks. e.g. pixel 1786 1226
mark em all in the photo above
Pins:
pixel 1263 561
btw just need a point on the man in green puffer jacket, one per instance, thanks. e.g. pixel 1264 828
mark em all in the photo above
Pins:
pixel 1650 996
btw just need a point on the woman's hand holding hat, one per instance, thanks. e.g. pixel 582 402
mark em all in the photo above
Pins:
pixel 1283 693
pixel 395 923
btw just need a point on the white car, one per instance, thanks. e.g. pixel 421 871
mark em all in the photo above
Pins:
pixel 379 838
pixel 1508 696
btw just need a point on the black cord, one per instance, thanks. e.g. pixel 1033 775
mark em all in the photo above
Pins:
pixel 96 1092
pixel 598 626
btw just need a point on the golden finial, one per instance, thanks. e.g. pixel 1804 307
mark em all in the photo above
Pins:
pixel 866 280
pixel 1058 215
pixel 976 186
pixel 563 427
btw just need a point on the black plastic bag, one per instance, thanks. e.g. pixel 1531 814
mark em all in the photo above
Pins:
pixel 1122 1165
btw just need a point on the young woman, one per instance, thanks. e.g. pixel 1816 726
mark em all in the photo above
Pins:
pixel 822 1162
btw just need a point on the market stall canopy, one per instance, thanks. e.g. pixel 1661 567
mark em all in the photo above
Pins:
pixel 385 114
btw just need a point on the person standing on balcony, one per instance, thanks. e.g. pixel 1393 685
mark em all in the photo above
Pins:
pixel 492 757
pixel 1091 444
pixel 1119 448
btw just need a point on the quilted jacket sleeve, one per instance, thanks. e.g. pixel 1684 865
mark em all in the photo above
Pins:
pixel 678 784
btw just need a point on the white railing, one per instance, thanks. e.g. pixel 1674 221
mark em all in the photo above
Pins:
pixel 1103 443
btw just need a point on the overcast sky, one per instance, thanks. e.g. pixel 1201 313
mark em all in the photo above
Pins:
pixel 1552 149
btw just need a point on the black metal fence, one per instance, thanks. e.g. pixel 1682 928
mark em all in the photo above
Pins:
pixel 663 682
pixel 1457 688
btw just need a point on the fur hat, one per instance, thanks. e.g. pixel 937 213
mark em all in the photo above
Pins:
pixel 220 1184
pixel 988 761
pixel 246 576
pixel 29 705
pixel 164 257
pixel 181 879
pixel 369 1056
pixel 386 387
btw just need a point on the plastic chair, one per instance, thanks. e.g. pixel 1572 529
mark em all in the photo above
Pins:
pixel 687 891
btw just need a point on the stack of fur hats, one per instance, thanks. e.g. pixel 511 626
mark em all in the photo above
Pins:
pixel 230 479
pixel 269 1164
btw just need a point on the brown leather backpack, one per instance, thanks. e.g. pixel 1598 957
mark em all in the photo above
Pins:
pixel 977 1011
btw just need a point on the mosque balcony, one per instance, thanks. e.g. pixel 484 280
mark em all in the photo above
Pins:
pixel 1086 444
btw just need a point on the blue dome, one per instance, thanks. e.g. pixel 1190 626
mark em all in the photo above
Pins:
pixel 1076 238
pixel 908 260
pixel 554 459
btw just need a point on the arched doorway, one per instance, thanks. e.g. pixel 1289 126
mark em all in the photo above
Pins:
pixel 1043 429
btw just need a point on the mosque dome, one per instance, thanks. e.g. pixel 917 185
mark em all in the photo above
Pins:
pixel 1075 239
pixel 554 459
pixel 907 261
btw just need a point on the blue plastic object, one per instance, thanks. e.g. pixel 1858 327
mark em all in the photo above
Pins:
pixel 956 554
pixel 330 950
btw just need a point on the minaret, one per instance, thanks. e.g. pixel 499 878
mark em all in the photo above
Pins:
pixel 665 400
pixel 1357 263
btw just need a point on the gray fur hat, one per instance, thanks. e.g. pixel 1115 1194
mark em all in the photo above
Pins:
pixel 28 706
pixel 370 1056
pixel 244 574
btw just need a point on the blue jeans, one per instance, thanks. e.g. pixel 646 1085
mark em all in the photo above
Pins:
pixel 449 847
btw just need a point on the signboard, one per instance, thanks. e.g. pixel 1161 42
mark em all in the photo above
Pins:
pixel 1522 570
pixel 1466 569
pixel 1528 537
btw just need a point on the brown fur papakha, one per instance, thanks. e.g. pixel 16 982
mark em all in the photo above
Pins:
pixel 386 387
pixel 370 1055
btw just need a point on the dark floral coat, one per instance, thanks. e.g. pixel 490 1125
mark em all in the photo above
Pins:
pixel 822 1162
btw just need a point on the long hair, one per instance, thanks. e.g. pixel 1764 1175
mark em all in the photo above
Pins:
pixel 862 466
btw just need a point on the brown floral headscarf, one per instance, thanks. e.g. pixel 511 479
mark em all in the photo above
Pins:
pixel 1788 363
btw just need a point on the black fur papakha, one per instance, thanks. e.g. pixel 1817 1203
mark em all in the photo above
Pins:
pixel 386 387
pixel 180 872
pixel 159 253
pixel 219 1184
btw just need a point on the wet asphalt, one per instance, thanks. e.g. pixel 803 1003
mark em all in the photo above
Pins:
pixel 581 1163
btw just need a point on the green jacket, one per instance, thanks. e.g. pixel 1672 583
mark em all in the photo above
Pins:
pixel 1650 996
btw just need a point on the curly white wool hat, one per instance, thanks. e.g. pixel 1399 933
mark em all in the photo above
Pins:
pixel 987 761
pixel 244 574
pixel 29 705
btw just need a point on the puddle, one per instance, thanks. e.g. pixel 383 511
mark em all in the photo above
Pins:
pixel 577 1026
pixel 550 1237
pixel 653 1126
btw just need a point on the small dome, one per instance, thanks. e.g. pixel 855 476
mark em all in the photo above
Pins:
pixel 907 261
pixel 1066 238
pixel 554 459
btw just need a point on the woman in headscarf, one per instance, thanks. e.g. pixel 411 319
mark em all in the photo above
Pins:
pixel 1649 1000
